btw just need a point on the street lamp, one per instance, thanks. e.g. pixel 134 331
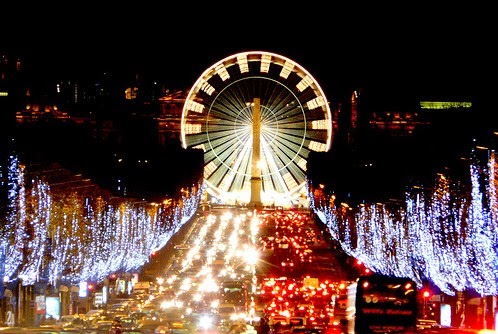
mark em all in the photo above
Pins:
pixel 426 294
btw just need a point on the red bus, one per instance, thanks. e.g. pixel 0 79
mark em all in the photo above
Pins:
pixel 234 292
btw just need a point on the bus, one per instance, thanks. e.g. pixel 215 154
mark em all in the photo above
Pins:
pixel 234 292
pixel 382 304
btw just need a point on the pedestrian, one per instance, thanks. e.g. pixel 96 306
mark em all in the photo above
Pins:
pixel 264 327
pixel 117 326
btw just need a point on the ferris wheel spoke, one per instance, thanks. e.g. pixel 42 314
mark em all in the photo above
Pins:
pixel 219 177
pixel 274 180
pixel 198 140
pixel 224 145
pixel 224 111
pixel 285 157
pixel 290 140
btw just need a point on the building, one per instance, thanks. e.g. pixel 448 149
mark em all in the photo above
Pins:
pixel 385 143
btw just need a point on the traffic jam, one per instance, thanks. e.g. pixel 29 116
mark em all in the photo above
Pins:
pixel 235 271
pixel 240 272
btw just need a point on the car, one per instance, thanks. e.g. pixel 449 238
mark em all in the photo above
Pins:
pixel 104 326
pixel 162 329
pixel 94 314
pixel 277 319
pixel 149 309
pixel 427 324
pixel 307 330
pixel 297 321
pixel 66 319
pixel 226 311
pixel 148 326
pixel 333 329
pixel 128 323
pixel 73 322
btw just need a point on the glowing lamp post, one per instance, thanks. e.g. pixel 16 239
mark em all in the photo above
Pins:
pixel 426 294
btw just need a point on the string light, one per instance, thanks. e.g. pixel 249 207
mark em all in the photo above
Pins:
pixel 64 236
pixel 448 236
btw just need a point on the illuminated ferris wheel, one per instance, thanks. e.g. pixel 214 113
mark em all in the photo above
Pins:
pixel 295 119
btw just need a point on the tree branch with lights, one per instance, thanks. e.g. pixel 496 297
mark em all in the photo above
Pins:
pixel 448 235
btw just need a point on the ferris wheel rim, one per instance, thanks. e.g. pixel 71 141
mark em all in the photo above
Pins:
pixel 214 73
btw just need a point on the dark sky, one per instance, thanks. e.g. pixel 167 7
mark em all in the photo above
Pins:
pixel 414 48
pixel 444 50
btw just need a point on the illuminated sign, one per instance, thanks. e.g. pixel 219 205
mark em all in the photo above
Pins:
pixel 444 105
pixel 53 307
pixel 83 292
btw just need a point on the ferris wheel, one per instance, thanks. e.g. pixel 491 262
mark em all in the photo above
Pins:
pixel 295 119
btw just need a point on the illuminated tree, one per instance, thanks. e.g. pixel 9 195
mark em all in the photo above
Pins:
pixel 72 236
pixel 447 234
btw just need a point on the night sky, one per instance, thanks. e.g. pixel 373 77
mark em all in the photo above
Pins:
pixel 425 49
pixel 414 50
